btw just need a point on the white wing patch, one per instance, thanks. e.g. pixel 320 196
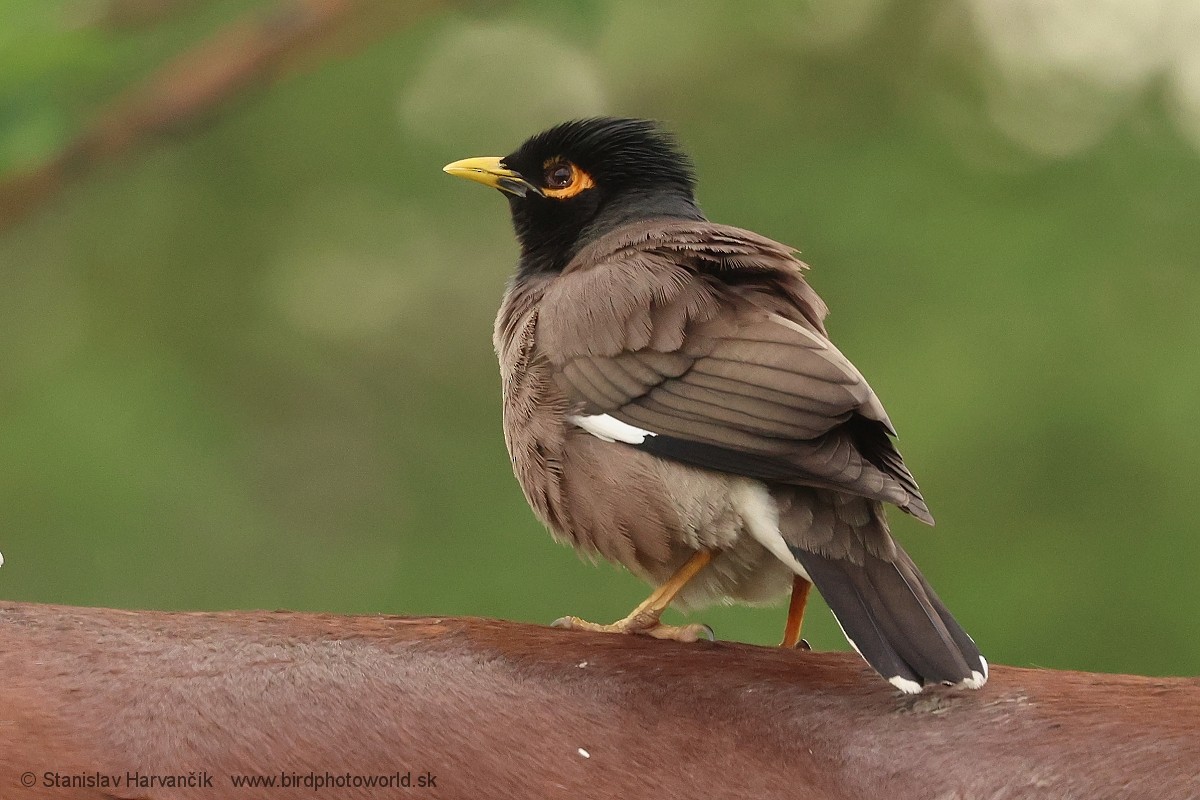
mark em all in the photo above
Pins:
pixel 610 429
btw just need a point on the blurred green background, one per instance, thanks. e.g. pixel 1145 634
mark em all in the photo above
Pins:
pixel 248 364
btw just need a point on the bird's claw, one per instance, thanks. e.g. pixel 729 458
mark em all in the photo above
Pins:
pixel 642 627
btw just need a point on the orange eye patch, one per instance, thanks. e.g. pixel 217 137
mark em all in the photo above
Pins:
pixel 563 179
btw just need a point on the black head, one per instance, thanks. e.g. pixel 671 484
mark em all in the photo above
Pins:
pixel 581 179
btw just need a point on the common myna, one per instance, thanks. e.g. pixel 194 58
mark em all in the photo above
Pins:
pixel 673 403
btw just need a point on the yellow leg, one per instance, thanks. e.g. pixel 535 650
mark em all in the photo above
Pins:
pixel 645 618
pixel 795 619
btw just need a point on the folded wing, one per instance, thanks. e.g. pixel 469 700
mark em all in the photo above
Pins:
pixel 719 358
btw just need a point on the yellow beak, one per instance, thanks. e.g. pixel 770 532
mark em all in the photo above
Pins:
pixel 490 172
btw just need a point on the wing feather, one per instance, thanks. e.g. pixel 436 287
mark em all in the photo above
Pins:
pixel 710 338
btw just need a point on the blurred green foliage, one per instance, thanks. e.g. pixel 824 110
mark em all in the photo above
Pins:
pixel 250 365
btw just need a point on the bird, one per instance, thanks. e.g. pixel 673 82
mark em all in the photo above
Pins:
pixel 672 402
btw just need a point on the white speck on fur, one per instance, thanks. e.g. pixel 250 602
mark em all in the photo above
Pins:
pixel 610 429
pixel 757 508
pixel 582 664
pixel 905 685
pixel 584 753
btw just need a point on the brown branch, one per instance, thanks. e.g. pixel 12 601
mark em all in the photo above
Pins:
pixel 502 710
pixel 250 53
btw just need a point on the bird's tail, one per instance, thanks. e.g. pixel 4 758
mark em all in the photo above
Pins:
pixel 892 617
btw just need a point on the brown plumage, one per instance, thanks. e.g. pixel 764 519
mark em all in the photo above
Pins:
pixel 672 398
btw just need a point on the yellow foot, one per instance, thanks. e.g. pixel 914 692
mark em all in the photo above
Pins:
pixel 644 619
pixel 800 645
pixel 644 626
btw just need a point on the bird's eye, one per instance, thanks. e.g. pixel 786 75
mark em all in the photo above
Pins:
pixel 559 176
pixel 564 180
